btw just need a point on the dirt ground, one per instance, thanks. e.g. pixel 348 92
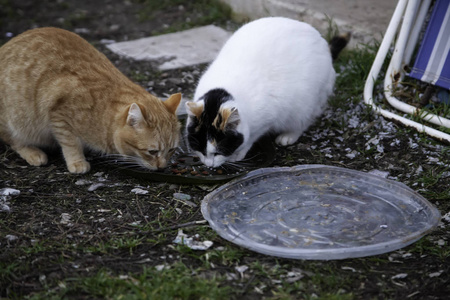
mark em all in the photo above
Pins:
pixel 66 226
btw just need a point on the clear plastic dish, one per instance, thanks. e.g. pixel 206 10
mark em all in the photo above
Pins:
pixel 318 212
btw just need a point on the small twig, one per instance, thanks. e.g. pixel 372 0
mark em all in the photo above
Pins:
pixel 140 209
pixel 180 225
pixel 413 294
pixel 247 284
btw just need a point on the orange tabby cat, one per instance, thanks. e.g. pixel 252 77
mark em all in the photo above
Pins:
pixel 56 87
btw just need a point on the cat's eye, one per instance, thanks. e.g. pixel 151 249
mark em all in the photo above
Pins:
pixel 153 152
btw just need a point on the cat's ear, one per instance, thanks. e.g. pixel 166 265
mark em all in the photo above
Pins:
pixel 135 116
pixel 173 102
pixel 230 118
pixel 194 108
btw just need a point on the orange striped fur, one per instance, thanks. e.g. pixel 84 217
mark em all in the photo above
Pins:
pixel 55 88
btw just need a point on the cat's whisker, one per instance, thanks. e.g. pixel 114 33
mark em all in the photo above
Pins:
pixel 118 164
pixel 241 164
pixel 124 161
pixel 233 165
pixel 227 168
pixel 180 150
pixel 249 158
pixel 245 160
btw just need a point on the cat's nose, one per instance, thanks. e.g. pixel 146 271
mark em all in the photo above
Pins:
pixel 209 162
pixel 161 163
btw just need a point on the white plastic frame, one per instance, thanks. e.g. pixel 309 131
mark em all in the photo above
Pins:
pixel 404 47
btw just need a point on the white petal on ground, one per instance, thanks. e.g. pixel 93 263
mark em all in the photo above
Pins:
pixel 139 191
pixel 191 242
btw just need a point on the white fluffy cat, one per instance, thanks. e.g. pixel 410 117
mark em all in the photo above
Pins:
pixel 274 75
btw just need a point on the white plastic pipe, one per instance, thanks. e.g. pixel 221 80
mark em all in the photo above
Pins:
pixel 415 32
pixel 396 68
pixel 375 70
pixel 402 39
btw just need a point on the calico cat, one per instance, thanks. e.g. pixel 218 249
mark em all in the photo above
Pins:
pixel 55 88
pixel 274 75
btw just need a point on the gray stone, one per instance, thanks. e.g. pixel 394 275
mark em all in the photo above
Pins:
pixel 176 50
pixel 366 19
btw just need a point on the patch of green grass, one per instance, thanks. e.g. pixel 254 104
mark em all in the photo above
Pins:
pixel 75 18
pixel 164 217
pixel 266 270
pixel 137 76
pixel 352 67
pixel 330 282
pixel 195 12
pixel 412 92
pixel 226 256
pixel 116 243
pixel 430 177
pixel 343 296
pixel 37 247
pixel 288 291
pixel 7 11
pixel 127 243
pixel 425 246
pixel 318 281
pixel 289 158
pixel 333 29
pixel 291 292
pixel 423 115
pixel 175 282
pixel 8 270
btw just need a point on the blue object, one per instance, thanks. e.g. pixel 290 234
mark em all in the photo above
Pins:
pixel 433 60
pixel 444 97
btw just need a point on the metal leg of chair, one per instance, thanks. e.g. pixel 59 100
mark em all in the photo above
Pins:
pixel 374 72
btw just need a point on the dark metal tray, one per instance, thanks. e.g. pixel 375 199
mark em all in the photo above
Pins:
pixel 186 168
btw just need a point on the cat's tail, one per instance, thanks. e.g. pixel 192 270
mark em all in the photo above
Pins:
pixel 338 43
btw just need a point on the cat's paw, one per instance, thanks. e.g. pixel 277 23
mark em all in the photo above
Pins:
pixel 287 139
pixel 33 156
pixel 79 167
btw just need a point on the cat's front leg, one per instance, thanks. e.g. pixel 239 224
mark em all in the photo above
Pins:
pixel 287 138
pixel 239 154
pixel 74 156
pixel 78 167
pixel 33 156
pixel 72 148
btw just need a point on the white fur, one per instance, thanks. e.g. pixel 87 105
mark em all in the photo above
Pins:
pixel 280 74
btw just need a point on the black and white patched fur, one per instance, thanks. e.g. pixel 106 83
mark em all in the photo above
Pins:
pixel 274 75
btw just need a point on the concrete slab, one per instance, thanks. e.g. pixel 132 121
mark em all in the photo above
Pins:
pixel 366 19
pixel 176 50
